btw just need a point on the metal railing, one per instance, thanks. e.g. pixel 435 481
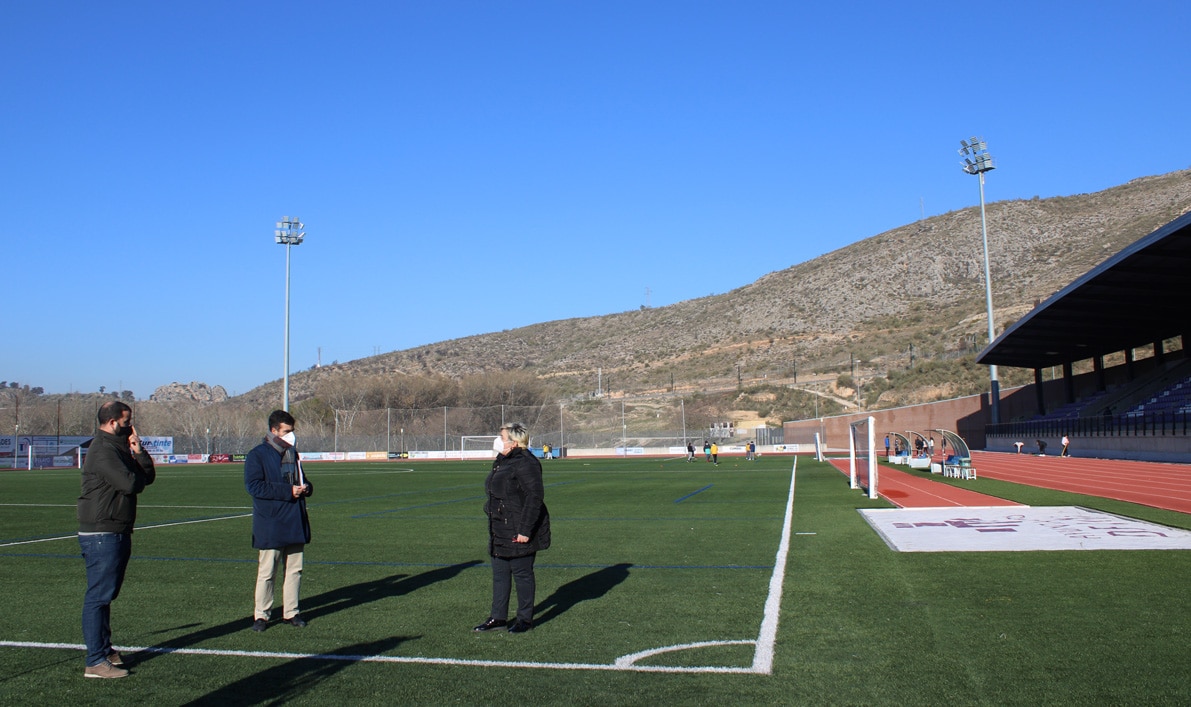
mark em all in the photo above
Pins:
pixel 1163 423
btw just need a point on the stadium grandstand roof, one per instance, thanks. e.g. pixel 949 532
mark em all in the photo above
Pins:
pixel 1139 296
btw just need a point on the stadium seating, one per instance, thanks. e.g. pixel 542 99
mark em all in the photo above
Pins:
pixel 1174 399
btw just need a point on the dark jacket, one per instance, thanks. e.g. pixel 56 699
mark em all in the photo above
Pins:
pixel 112 477
pixel 278 519
pixel 515 505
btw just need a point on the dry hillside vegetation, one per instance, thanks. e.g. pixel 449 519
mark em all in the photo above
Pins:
pixel 855 310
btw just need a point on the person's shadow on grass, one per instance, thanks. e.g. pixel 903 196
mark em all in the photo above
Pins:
pixel 320 605
pixel 290 680
pixel 367 592
pixel 586 588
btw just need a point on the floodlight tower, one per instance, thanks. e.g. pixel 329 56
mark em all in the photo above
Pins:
pixel 289 233
pixel 977 161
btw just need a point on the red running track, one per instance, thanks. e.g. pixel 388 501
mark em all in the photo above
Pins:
pixel 912 491
pixel 1166 486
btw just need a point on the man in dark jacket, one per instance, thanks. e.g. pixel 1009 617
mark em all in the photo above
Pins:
pixel 116 469
pixel 274 478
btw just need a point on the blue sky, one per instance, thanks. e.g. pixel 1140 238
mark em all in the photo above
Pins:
pixel 467 167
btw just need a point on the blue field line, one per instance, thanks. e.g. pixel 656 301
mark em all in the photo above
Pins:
pixel 442 503
pixel 33 538
pixel 680 500
pixel 470 517
pixel 376 563
pixel 392 495
pixel 659 567
pixel 421 505
pixel 682 519
pixel 653 519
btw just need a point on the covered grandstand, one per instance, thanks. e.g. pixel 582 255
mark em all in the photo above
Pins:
pixel 1128 319
pixel 1111 370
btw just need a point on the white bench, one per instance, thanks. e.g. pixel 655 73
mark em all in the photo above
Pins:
pixel 963 470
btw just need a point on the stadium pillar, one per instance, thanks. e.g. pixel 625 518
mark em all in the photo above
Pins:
pixel 1039 395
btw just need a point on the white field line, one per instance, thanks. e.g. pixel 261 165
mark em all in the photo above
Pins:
pixel 139 505
pixel 145 527
pixel 763 656
pixel 130 650
pixel 767 637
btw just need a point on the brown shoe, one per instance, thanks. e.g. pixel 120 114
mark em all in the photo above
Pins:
pixel 115 659
pixel 105 670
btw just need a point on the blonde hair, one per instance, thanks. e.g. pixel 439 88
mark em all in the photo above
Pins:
pixel 517 433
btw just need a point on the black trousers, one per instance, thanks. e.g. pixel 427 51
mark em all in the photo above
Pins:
pixel 504 573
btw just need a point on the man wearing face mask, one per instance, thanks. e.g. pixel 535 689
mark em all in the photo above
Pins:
pixel 274 478
pixel 116 469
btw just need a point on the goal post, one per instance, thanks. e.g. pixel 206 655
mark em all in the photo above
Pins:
pixel 862 459
pixel 477 446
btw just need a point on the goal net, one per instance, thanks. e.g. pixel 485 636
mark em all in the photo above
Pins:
pixel 477 446
pixel 862 457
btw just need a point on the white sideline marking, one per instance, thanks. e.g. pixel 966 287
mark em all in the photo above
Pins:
pixel 130 650
pixel 141 505
pixel 145 527
pixel 41 505
pixel 767 638
pixel 762 657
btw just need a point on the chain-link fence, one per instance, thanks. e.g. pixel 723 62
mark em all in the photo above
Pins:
pixel 590 424
pixel 594 423
pixel 229 428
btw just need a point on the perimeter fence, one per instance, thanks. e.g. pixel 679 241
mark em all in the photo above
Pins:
pixel 599 423
pixel 602 424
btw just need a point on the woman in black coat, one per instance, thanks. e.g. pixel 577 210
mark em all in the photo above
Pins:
pixel 518 526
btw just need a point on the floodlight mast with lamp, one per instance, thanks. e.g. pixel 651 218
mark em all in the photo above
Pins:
pixel 288 233
pixel 977 161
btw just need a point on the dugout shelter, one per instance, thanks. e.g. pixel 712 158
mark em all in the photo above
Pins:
pixel 900 452
pixel 958 463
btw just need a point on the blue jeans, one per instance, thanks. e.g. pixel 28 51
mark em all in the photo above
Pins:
pixel 106 556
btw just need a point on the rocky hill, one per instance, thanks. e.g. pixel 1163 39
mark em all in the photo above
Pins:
pixel 861 306
pixel 190 392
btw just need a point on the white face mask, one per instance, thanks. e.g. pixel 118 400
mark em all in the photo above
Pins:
pixel 289 438
pixel 498 445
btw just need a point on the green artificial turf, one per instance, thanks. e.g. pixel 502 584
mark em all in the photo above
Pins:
pixel 647 553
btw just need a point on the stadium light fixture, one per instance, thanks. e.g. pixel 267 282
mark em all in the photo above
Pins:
pixel 288 233
pixel 977 161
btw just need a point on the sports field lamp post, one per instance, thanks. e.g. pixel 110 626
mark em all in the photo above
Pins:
pixel 977 161
pixel 289 233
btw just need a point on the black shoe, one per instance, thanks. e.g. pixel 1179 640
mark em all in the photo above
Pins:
pixel 520 626
pixel 296 621
pixel 259 625
pixel 491 624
